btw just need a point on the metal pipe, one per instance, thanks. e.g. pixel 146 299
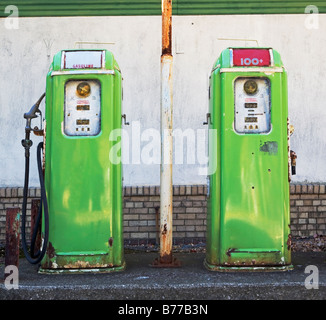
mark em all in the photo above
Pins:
pixel 166 185
pixel 12 237
pixel 166 136
pixel 166 160
pixel 167 27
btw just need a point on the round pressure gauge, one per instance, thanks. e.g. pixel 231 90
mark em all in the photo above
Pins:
pixel 250 87
pixel 83 89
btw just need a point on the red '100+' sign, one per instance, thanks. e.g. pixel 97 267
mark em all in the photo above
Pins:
pixel 251 57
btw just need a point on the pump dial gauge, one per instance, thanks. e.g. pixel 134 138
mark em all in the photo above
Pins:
pixel 83 89
pixel 250 86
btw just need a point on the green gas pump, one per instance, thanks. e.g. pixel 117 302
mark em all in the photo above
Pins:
pixel 83 186
pixel 248 225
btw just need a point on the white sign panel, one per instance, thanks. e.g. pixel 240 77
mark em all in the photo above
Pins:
pixel 83 59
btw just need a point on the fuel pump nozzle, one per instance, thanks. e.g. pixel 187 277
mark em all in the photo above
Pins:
pixel 32 113
pixel 27 143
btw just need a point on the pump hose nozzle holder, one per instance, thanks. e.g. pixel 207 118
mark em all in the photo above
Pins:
pixel 27 143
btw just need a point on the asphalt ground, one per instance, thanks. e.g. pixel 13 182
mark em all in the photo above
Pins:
pixel 192 281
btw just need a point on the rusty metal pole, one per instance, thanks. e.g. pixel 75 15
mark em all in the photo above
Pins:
pixel 166 186
pixel 12 237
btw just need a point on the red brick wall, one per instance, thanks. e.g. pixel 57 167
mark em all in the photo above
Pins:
pixel 308 211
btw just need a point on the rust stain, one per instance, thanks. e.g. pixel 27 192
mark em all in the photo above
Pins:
pixel 293 156
pixel 12 237
pixel 166 261
pixel 289 242
pixel 165 230
pixel 165 246
pixel 110 242
pixel 38 132
pixel 50 251
pixel 86 265
pixel 171 93
pixel 44 145
pixel 34 213
pixel 288 148
pixel 259 260
pixel 166 27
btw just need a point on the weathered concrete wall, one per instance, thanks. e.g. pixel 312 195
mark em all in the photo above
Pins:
pixel 26 54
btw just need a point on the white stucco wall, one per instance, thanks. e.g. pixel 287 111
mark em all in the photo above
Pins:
pixel 26 53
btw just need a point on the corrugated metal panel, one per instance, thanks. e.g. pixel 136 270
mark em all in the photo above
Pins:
pixel 189 7
pixel 35 8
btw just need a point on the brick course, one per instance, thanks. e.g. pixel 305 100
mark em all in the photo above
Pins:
pixel 140 205
pixel 141 221
pixel 308 209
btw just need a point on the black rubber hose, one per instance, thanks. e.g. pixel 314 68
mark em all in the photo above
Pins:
pixel 35 258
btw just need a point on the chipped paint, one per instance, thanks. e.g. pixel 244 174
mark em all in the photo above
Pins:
pixel 62 263
pixel 84 270
pixel 265 268
pixel 252 257
pixel 86 264
pixel 50 251
pixel 270 147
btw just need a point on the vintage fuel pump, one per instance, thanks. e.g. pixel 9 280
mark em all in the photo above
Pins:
pixel 248 225
pixel 82 227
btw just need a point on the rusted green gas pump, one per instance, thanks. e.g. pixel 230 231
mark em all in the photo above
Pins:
pixel 248 204
pixel 83 186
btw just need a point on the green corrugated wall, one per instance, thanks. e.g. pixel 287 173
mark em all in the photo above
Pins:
pixel 38 8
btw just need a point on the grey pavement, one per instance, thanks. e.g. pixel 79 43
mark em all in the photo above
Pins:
pixel 192 281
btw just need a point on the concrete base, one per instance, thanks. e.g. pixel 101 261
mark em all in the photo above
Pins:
pixel 192 281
